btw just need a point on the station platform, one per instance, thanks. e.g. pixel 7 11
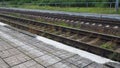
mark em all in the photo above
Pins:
pixel 21 49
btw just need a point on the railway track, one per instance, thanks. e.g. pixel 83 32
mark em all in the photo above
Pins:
pixel 97 43
pixel 106 26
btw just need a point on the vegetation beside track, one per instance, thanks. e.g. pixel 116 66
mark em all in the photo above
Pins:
pixel 86 6
pixel 70 9
pixel 63 3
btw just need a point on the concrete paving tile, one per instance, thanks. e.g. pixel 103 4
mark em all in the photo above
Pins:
pixel 13 44
pixel 113 64
pixel 79 61
pixel 3 64
pixel 29 64
pixel 96 65
pixel 83 62
pixel 9 52
pixel 48 49
pixel 17 42
pixel 27 47
pixel 63 54
pixel 26 39
pixel 16 59
pixel 45 48
pixel 20 35
pixel 47 60
pixel 40 43
pixel 4 45
pixel 58 52
pixel 74 59
pixel 32 41
pixel 5 29
pixel 62 64
pixel 37 66
pixel 33 53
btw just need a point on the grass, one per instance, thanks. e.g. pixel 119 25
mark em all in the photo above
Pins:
pixel 71 9
pixel 108 45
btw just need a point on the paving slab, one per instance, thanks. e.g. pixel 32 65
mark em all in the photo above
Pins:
pixel 62 64
pixel 113 65
pixel 3 64
pixel 9 52
pixel 16 59
pixel 29 64
pixel 63 54
pixel 4 45
pixel 79 61
pixel 96 65
pixel 48 60
pixel 33 53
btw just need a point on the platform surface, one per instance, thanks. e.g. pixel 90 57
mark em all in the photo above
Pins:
pixel 21 50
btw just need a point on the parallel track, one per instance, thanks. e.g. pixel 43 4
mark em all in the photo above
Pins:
pixel 101 44
pixel 106 26
pixel 68 17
